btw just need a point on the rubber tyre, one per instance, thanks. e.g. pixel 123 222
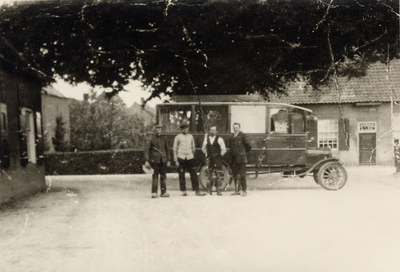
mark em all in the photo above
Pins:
pixel 332 176
pixel 203 177
pixel 315 175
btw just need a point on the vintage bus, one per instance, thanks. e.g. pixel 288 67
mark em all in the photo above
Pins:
pixel 283 138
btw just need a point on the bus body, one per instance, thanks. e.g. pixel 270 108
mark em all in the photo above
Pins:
pixel 283 137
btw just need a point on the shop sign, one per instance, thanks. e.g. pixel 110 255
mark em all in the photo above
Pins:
pixel 367 127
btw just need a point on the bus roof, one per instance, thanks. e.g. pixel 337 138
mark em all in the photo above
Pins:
pixel 232 103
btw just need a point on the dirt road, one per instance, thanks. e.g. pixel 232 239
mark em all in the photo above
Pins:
pixel 110 223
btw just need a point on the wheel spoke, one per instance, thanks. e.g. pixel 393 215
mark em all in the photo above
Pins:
pixel 333 176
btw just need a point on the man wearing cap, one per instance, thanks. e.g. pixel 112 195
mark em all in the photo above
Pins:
pixel 183 152
pixel 157 155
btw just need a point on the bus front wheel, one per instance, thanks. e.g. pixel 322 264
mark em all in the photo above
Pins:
pixel 332 176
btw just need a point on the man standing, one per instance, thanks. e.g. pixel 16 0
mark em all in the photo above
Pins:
pixel 238 146
pixel 157 153
pixel 397 155
pixel 183 150
pixel 214 148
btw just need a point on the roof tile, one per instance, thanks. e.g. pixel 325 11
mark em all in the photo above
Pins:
pixel 374 87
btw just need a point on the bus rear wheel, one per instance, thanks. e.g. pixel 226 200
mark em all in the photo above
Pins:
pixel 203 177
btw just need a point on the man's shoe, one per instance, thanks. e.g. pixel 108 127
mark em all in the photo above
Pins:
pixel 244 193
pixel 198 193
pixel 219 193
pixel 236 193
pixel 184 193
pixel 164 195
pixel 154 196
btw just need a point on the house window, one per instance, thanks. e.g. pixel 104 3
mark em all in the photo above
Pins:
pixel 328 133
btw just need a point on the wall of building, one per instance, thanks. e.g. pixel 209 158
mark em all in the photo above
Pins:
pixel 52 107
pixel 381 114
pixel 17 180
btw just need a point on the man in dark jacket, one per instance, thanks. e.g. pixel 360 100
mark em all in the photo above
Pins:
pixel 157 155
pixel 238 146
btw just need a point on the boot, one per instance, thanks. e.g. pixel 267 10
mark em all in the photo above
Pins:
pixel 218 187
pixel 236 192
pixel 209 188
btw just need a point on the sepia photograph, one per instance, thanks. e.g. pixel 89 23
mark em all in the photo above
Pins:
pixel 199 135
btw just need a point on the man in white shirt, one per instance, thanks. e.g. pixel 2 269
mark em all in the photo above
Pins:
pixel 183 151
pixel 214 148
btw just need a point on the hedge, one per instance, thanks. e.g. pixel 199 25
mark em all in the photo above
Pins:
pixel 126 161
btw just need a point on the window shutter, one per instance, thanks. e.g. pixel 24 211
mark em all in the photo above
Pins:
pixel 4 147
pixel 23 141
pixel 2 142
pixel 344 134
pixel 4 154
pixel 39 138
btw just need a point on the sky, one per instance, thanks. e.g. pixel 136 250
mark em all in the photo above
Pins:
pixel 133 94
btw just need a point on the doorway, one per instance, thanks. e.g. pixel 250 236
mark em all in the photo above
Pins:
pixel 367 148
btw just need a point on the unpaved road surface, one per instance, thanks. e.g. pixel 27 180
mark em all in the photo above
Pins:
pixel 110 223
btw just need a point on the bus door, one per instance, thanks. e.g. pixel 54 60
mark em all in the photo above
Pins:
pixel 286 139
pixel 298 136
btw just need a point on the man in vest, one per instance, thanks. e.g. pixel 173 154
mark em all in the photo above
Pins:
pixel 214 148
pixel 157 155
pixel 183 150
pixel 238 146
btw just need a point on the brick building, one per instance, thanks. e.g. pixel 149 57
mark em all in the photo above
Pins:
pixel 366 109
pixel 21 139
pixel 54 104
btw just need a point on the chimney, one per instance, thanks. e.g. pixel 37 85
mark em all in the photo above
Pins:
pixel 85 97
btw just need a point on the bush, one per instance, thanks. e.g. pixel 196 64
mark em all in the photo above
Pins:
pixel 127 161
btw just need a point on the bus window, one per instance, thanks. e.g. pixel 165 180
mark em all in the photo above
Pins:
pixel 207 115
pixel 171 117
pixel 297 122
pixel 250 117
pixel 279 120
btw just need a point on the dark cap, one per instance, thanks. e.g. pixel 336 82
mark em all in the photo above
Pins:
pixel 184 125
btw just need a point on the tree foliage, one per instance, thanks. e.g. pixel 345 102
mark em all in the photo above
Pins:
pixel 201 46
pixel 104 124
pixel 59 142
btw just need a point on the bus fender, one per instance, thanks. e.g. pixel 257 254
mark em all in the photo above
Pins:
pixel 321 162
